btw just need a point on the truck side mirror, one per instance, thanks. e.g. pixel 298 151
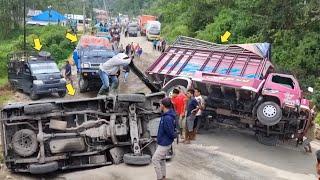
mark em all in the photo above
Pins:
pixel 310 89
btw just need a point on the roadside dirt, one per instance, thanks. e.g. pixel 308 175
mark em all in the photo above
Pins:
pixel 216 154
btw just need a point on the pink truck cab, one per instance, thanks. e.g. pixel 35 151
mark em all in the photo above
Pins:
pixel 239 85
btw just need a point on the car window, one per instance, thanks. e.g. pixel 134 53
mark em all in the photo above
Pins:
pixel 44 68
pixel 284 81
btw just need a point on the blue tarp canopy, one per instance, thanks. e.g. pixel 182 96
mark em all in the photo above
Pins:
pixel 49 15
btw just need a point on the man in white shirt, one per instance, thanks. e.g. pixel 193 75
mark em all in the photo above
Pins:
pixel 109 69
pixel 198 119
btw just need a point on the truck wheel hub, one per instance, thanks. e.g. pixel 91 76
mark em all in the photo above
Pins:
pixel 269 111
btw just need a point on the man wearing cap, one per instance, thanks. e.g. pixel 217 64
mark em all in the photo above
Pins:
pixel 109 69
pixel 165 137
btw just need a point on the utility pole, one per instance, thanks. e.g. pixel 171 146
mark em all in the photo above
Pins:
pixel 24 27
pixel 84 16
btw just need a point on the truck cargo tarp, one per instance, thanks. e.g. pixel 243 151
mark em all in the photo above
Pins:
pixel 261 49
pixel 49 15
pixel 94 42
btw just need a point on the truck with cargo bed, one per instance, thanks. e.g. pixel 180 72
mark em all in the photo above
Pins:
pixel 240 85
pixel 143 20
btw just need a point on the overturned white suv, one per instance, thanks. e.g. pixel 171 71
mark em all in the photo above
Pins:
pixel 42 137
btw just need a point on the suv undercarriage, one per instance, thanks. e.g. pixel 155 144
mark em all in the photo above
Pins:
pixel 42 137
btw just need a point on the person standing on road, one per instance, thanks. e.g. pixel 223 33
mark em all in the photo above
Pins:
pixel 154 43
pixel 110 69
pixel 192 108
pixel 132 50
pixel 198 118
pixel 165 137
pixel 126 71
pixel 128 48
pixel 178 99
pixel 163 45
pixel 68 73
pixel 309 133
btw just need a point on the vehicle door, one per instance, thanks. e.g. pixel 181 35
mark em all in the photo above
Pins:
pixel 26 78
pixel 285 87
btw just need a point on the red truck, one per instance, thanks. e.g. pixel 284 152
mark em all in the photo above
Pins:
pixel 240 86
pixel 142 20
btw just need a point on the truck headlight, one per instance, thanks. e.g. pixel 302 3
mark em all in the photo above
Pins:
pixel 37 82
pixel 85 65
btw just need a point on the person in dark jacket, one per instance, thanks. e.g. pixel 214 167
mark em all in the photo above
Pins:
pixel 68 73
pixel 165 137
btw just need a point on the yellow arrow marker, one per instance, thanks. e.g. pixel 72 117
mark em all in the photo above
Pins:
pixel 225 37
pixel 37 44
pixel 72 37
pixel 71 90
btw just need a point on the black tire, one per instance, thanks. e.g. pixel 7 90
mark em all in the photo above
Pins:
pixel 134 98
pixel 33 95
pixel 24 142
pixel 38 108
pixel 271 140
pixel 43 168
pixel 150 149
pixel 131 159
pixel 62 94
pixel 83 84
pixel 269 113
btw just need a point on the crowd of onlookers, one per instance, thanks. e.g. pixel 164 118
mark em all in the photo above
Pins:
pixel 159 45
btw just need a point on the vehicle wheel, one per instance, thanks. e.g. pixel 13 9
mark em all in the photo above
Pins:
pixel 271 140
pixel 43 168
pixel 24 142
pixel 33 95
pixel 269 113
pixel 150 149
pixel 62 94
pixel 38 108
pixel 136 98
pixel 132 159
pixel 83 84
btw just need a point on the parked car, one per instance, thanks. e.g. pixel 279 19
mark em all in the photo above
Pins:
pixel 35 74
pixel 133 29
pixel 42 137
pixel 239 83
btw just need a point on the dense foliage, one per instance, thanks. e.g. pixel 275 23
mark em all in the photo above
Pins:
pixel 292 26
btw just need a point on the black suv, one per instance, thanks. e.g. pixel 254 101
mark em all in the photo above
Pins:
pixel 35 74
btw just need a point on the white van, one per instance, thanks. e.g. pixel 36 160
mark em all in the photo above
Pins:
pixel 153 29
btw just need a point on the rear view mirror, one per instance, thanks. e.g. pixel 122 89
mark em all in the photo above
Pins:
pixel 310 89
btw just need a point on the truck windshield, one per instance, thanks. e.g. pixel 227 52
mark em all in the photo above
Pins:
pixel 133 28
pixel 154 31
pixel 44 68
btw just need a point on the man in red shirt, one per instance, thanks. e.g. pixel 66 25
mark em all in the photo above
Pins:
pixel 179 102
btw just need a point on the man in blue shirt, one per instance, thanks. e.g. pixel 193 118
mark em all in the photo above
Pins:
pixel 192 109
pixel 165 137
